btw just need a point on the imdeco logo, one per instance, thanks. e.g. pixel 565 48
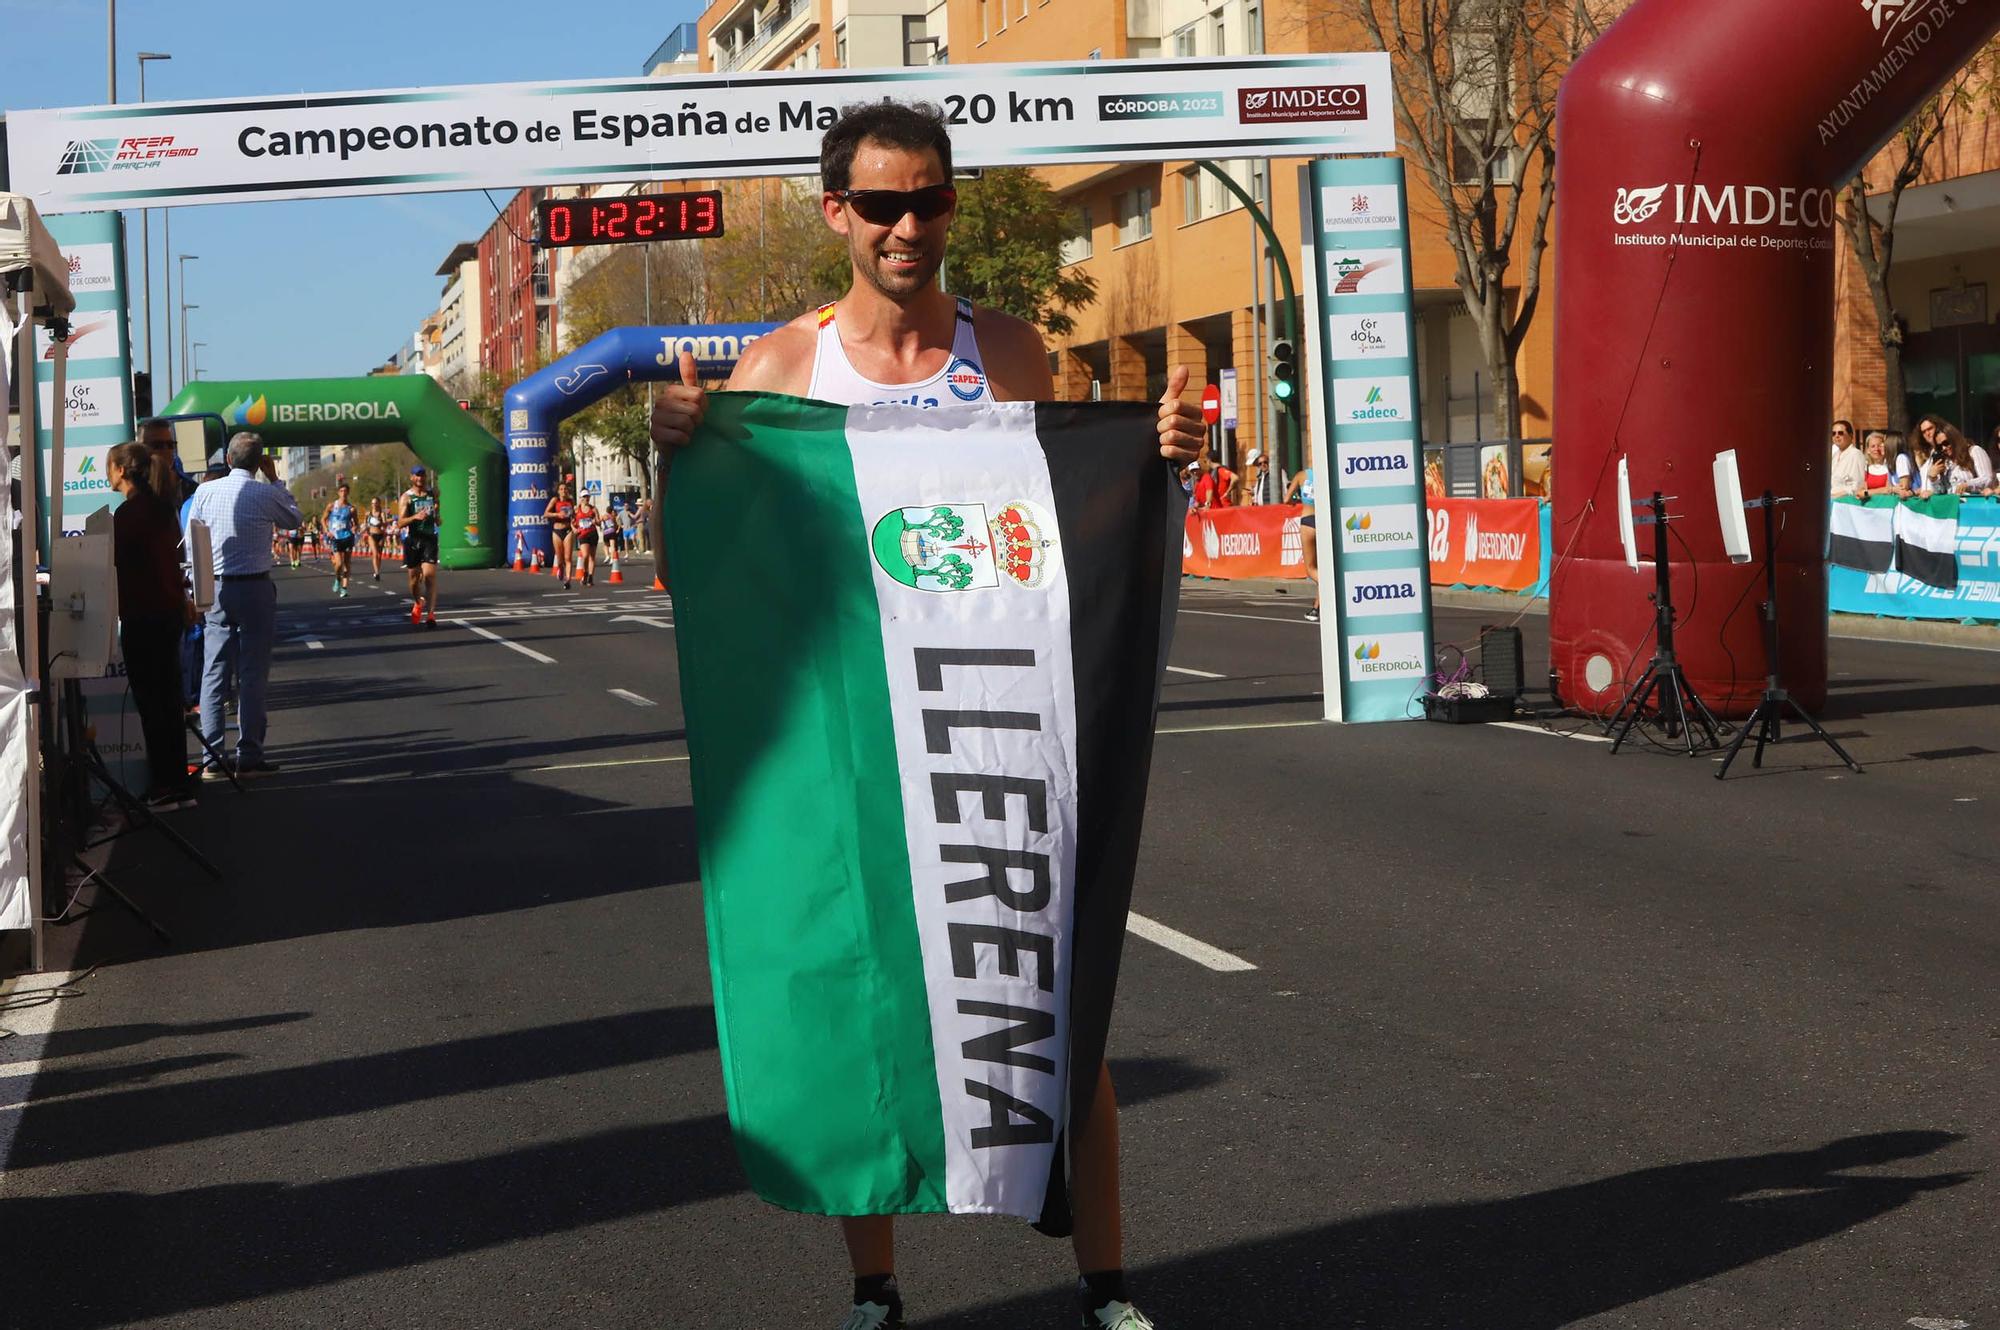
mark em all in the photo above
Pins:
pixel 1637 205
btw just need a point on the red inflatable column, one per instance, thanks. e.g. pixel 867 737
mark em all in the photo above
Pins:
pixel 1703 146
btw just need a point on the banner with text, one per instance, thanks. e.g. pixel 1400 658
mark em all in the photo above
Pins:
pixel 97 380
pixel 1975 595
pixel 1233 543
pixel 1365 416
pixel 1486 543
pixel 325 145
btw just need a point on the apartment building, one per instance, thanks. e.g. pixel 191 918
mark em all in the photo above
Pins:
pixel 456 361
pixel 1947 267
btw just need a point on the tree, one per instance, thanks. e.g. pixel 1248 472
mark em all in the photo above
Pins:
pixel 1475 85
pixel 1006 250
pixel 1872 231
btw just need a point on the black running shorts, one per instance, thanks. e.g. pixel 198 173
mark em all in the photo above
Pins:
pixel 419 550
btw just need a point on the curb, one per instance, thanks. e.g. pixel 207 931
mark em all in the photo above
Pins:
pixel 1861 627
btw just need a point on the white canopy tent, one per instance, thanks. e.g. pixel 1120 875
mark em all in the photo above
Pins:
pixel 34 289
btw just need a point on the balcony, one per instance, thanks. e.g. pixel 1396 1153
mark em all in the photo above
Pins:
pixel 776 27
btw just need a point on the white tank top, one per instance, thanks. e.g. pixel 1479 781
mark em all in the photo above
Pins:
pixel 963 378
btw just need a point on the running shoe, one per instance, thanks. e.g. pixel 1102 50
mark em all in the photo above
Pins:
pixel 416 611
pixel 1116 1316
pixel 216 771
pixel 257 768
pixel 343 591
pixel 1312 615
pixel 378 577
pixel 873 1316
pixel 430 619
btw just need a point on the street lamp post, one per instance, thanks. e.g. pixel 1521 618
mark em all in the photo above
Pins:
pixel 146 229
pixel 187 353
pixel 111 48
pixel 194 360
pixel 180 267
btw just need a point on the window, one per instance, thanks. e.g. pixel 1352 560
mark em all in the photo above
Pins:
pixel 1260 182
pixel 1467 157
pixel 984 29
pixel 1253 29
pixel 1218 34
pixel 1024 8
pixel 1135 215
pixel 1184 42
pixel 1078 247
pixel 1191 200
pixel 840 42
pixel 916 46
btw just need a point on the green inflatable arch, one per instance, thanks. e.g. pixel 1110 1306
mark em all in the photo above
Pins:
pixel 408 408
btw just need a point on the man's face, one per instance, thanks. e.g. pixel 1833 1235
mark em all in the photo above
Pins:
pixel 157 436
pixel 898 259
pixel 1842 436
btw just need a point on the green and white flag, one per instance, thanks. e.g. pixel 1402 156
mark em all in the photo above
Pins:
pixel 920 657
pixel 1927 540
pixel 1862 535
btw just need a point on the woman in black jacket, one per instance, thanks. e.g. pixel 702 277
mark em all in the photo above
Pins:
pixel 153 613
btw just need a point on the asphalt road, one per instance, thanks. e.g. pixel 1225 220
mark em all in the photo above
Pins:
pixel 1536 1035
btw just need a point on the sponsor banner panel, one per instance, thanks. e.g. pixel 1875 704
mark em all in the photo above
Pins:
pixel 1486 543
pixel 697 125
pixel 1897 595
pixel 1258 541
pixel 97 371
pixel 1375 649
pixel 1368 337
pixel 1363 272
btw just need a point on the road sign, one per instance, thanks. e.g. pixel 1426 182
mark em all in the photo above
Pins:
pixel 1228 386
pixel 1211 403
pixel 593 487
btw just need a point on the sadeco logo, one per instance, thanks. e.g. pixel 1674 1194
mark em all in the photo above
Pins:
pixel 1371 401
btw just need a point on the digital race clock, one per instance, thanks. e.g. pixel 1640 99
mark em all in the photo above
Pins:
pixel 610 220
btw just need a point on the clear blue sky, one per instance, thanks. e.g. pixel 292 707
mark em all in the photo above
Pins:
pixel 323 288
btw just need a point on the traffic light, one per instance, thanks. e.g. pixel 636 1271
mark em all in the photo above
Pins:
pixel 1284 374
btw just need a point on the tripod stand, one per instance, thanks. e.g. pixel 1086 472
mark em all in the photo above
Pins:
pixel 1677 706
pixel 1770 713
pixel 90 766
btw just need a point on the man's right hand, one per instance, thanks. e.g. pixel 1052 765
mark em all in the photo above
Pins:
pixel 678 409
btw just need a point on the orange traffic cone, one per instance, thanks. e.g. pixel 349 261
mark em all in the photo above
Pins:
pixel 520 552
pixel 536 567
pixel 616 577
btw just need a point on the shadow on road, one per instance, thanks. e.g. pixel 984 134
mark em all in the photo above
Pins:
pixel 1533 1262
pixel 217 1106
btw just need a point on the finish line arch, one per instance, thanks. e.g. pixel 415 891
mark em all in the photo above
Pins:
pixel 546 398
pixel 410 409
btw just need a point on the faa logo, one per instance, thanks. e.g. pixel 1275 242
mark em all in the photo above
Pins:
pixel 245 410
pixel 965 380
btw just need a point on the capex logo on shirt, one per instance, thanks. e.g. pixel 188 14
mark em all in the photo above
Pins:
pixel 958 547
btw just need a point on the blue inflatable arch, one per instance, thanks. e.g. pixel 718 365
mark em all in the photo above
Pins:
pixel 543 400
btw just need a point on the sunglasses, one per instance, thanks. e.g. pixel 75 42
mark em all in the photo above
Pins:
pixel 886 207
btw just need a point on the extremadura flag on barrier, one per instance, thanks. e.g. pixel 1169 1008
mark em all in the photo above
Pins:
pixel 920 654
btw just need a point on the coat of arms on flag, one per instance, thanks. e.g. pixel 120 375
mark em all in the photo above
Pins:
pixel 919 750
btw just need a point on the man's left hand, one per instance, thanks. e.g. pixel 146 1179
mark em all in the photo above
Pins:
pixel 1182 430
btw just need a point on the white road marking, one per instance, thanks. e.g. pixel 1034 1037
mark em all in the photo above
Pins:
pixel 1254 725
pixel 28 1009
pixel 1938 1323
pixel 1182 945
pixel 1260 618
pixel 641 618
pixel 1560 734
pixel 636 700
pixel 491 636
pixel 1199 674
pixel 314 644
pixel 485 771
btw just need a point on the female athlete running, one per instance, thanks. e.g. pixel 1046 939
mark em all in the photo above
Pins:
pixel 586 541
pixel 560 511
pixel 378 533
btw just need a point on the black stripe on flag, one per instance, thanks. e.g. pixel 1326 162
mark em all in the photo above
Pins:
pixel 1120 514
pixel 1869 556
pixel 1931 567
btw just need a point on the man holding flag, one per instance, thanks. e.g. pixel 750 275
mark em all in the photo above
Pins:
pixel 895 339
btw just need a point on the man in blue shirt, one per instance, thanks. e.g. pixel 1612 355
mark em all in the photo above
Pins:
pixel 242 512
